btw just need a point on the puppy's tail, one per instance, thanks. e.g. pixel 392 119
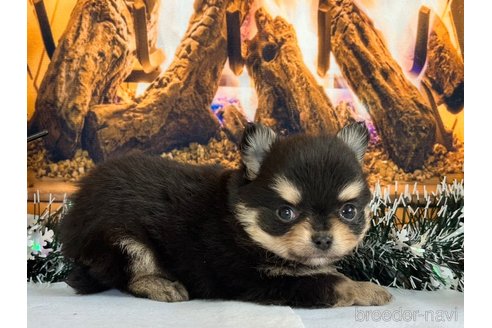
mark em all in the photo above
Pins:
pixel 81 280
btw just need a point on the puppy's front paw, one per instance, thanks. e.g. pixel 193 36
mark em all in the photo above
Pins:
pixel 361 293
pixel 159 289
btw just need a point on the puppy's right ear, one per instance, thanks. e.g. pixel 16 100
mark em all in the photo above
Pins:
pixel 256 143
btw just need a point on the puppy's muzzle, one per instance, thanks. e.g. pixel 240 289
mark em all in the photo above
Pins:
pixel 322 241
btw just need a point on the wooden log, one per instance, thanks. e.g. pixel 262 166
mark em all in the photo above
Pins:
pixel 233 122
pixel 445 68
pixel 44 26
pixel 149 58
pixel 234 54
pixel 289 98
pixel 174 111
pixel 403 120
pixel 94 55
pixel 324 35
pixel 421 41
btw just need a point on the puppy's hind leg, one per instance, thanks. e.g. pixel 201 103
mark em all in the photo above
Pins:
pixel 83 282
pixel 147 279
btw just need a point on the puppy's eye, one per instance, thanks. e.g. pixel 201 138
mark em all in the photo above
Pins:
pixel 348 212
pixel 286 213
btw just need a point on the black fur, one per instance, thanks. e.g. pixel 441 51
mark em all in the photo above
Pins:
pixel 185 215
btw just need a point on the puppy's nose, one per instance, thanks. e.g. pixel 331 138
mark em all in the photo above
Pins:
pixel 322 241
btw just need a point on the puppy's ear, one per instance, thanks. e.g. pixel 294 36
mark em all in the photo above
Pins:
pixel 356 136
pixel 256 143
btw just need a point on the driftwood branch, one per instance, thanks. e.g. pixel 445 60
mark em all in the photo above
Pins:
pixel 93 57
pixel 174 111
pixel 403 119
pixel 289 98
pixel 445 68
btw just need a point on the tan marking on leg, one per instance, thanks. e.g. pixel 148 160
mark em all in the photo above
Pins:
pixel 351 191
pixel 287 190
pixel 159 289
pixel 147 279
pixel 142 259
pixel 362 293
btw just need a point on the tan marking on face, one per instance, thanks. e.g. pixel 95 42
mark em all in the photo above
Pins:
pixel 295 242
pixel 344 240
pixel 248 219
pixel 287 190
pixel 351 191
pixel 298 238
pixel 299 245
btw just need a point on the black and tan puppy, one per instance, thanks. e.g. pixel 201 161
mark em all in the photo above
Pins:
pixel 268 232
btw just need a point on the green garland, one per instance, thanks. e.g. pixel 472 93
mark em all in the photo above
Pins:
pixel 417 245
pixel 414 242
pixel 45 263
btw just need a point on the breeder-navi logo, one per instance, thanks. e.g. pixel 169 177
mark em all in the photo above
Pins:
pixel 400 314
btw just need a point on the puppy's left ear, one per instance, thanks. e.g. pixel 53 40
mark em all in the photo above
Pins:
pixel 356 136
pixel 256 143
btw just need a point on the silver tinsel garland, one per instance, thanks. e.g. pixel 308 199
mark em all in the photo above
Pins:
pixel 416 241
pixel 45 262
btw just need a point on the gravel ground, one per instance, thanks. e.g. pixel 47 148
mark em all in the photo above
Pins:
pixel 69 170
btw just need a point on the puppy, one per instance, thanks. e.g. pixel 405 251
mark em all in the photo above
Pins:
pixel 268 232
